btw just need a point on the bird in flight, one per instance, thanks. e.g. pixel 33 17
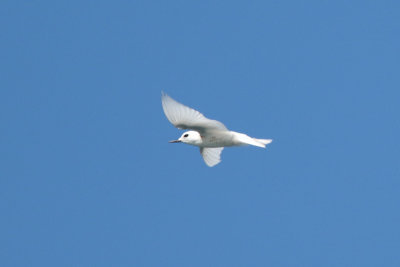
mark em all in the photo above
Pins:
pixel 210 136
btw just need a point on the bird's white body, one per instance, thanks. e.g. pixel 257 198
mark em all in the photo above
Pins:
pixel 210 135
pixel 221 139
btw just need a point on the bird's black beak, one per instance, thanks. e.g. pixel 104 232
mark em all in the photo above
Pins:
pixel 175 141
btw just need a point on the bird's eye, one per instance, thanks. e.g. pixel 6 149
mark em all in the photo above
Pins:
pixel 186 135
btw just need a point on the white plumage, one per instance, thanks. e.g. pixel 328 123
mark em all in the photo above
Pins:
pixel 210 135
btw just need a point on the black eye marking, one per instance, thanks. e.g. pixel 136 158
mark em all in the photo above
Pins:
pixel 186 135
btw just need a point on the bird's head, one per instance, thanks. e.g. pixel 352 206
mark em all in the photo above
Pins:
pixel 189 137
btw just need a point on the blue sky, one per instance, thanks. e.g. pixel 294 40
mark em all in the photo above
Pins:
pixel 89 179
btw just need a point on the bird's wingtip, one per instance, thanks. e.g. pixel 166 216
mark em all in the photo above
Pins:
pixel 164 95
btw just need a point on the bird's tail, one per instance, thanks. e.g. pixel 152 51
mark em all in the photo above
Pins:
pixel 247 140
pixel 263 142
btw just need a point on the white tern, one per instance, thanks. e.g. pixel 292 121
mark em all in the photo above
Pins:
pixel 210 135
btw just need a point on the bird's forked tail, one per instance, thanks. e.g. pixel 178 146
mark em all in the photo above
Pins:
pixel 245 139
pixel 262 142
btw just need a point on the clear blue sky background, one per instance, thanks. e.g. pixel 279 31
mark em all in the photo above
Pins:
pixel 89 179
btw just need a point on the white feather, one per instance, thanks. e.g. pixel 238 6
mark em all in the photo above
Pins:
pixel 184 117
pixel 211 156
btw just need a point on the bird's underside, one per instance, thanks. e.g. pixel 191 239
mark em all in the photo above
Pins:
pixel 218 139
pixel 231 138
pixel 213 144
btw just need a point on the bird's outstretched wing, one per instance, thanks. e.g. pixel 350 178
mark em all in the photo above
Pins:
pixel 211 155
pixel 184 117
